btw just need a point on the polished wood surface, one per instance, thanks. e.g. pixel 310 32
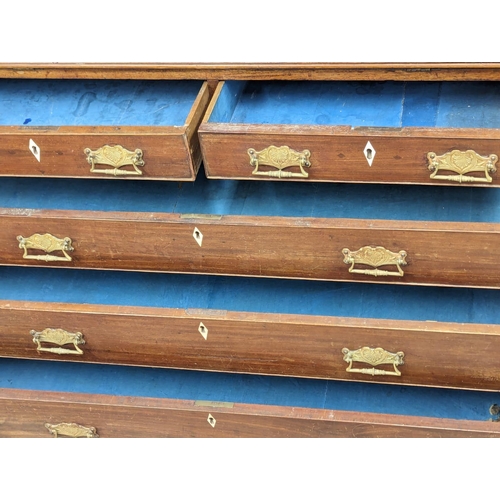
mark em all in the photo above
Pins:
pixel 256 71
pixel 289 247
pixel 169 153
pixel 436 354
pixel 25 413
pixel 337 153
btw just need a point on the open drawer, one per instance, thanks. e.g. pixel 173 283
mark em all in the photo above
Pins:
pixel 376 132
pixel 415 235
pixel 45 399
pixel 98 128
pixel 356 332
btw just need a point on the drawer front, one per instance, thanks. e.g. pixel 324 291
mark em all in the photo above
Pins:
pixel 345 155
pixel 369 350
pixel 132 154
pixel 325 249
pixel 44 414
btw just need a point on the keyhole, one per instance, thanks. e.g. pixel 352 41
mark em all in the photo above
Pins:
pixel 369 154
pixel 35 150
pixel 203 330
pixel 198 236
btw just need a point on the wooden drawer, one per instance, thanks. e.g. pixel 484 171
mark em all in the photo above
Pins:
pixel 133 402
pixel 94 128
pixel 419 336
pixel 397 352
pixel 263 229
pixel 375 132
pixel 382 251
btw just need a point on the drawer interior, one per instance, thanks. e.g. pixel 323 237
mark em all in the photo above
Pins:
pixel 250 389
pixel 362 300
pixel 229 197
pixel 360 104
pixel 35 103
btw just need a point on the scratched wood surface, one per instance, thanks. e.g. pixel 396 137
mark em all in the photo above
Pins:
pixel 24 414
pixel 337 122
pixel 256 71
pixel 62 129
pixel 300 248
pixel 435 354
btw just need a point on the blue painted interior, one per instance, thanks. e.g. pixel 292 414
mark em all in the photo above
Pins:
pixel 285 199
pixel 362 300
pixel 236 388
pixel 227 100
pixel 57 103
pixel 96 102
pixel 375 104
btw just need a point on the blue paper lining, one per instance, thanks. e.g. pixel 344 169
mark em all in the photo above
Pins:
pixel 283 199
pixel 363 300
pixel 252 389
pixel 96 102
pixel 369 104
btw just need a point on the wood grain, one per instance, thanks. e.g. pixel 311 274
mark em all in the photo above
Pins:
pixel 256 71
pixel 436 354
pixel 169 153
pixel 287 247
pixel 337 153
pixel 24 414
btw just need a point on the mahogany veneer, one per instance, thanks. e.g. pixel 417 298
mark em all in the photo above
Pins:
pixel 25 414
pixel 438 253
pixel 435 354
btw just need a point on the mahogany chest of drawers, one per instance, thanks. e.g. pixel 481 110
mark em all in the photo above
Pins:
pixel 249 308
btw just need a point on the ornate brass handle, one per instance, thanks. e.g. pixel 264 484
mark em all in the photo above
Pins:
pixel 72 430
pixel 59 337
pixel 463 163
pixel 116 157
pixel 47 243
pixel 375 257
pixel 373 357
pixel 280 158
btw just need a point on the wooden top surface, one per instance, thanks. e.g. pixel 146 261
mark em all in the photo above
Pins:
pixel 256 71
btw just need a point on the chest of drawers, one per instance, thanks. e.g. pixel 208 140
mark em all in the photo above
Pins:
pixel 66 242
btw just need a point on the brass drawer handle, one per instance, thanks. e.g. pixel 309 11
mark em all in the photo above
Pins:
pixel 47 243
pixel 59 337
pixel 72 430
pixel 280 158
pixel 462 163
pixel 375 257
pixel 116 157
pixel 373 357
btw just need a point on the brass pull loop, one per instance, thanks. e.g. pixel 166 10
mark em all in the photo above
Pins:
pixel 373 357
pixel 116 157
pixel 462 163
pixel 375 257
pixel 72 430
pixel 46 243
pixel 59 337
pixel 280 158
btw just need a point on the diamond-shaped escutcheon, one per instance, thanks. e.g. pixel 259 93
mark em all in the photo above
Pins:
pixel 369 153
